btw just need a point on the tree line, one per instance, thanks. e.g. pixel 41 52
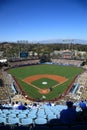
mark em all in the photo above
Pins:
pixel 13 49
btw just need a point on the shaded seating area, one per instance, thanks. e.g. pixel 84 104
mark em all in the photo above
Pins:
pixel 39 118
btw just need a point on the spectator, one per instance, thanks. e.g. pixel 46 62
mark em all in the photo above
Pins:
pixel 21 106
pixel 82 105
pixel 49 104
pixel 34 105
pixel 68 116
pixel 86 102
pixel 1 107
pixel 25 106
pixel 15 106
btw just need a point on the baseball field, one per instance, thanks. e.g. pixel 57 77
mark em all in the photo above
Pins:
pixel 50 81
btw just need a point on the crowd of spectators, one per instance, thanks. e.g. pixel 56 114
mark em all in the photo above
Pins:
pixel 67 62
pixel 24 63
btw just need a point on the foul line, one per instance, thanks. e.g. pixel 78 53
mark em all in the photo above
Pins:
pixel 48 88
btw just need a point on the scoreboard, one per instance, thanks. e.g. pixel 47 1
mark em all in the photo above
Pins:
pixel 23 54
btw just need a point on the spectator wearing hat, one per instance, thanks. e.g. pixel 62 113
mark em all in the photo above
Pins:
pixel 82 105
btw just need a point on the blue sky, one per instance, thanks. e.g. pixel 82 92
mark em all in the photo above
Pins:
pixel 35 20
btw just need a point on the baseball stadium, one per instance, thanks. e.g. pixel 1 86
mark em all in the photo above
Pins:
pixel 48 80
pixel 43 64
pixel 34 94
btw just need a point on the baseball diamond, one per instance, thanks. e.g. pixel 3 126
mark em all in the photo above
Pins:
pixel 30 79
pixel 59 79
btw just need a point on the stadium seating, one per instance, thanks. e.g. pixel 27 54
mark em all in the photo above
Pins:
pixel 43 117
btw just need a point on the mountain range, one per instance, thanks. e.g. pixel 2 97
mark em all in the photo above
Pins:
pixel 73 41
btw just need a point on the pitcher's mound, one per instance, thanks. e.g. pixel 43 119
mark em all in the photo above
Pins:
pixel 44 91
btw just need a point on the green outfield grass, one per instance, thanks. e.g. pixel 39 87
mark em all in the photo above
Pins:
pixel 65 71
